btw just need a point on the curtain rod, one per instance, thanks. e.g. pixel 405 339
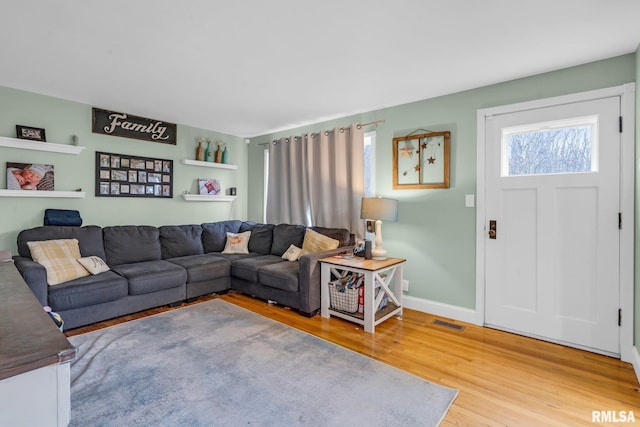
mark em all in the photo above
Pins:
pixel 326 132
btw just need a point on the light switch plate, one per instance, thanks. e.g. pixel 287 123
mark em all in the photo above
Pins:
pixel 469 200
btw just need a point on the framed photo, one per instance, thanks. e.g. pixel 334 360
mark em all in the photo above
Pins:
pixel 119 175
pixel 421 161
pixel 209 186
pixel 30 176
pixel 33 134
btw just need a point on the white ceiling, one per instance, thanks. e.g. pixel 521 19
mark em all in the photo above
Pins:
pixel 249 67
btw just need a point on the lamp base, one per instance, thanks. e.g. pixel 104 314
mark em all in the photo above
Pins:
pixel 379 254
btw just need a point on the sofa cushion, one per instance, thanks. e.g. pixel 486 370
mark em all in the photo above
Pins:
pixel 247 268
pixel 87 291
pixel 237 243
pixel 94 264
pixel 59 258
pixel 316 242
pixel 203 267
pixel 151 276
pixel 89 238
pixel 261 236
pixel 214 234
pixel 342 235
pixel 180 240
pixel 283 275
pixel 285 235
pixel 126 244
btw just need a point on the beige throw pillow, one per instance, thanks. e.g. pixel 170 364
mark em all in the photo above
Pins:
pixel 94 264
pixel 292 254
pixel 59 258
pixel 237 243
pixel 316 242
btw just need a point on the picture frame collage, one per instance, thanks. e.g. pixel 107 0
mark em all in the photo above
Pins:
pixel 122 175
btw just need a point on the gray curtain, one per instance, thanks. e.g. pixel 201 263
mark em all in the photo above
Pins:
pixel 318 179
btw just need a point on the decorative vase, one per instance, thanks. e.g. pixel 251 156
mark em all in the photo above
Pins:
pixel 200 152
pixel 218 155
pixel 208 155
pixel 225 155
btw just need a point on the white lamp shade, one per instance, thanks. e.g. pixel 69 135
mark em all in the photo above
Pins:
pixel 379 208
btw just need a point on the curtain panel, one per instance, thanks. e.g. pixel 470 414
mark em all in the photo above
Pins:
pixel 318 179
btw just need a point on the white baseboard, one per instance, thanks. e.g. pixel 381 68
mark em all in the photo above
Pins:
pixel 636 361
pixel 440 309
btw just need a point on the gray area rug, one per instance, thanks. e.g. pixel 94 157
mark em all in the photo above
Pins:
pixel 216 364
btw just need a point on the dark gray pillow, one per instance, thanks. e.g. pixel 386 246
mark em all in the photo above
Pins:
pixel 181 240
pixel 214 234
pixel 261 238
pixel 89 238
pixel 285 235
pixel 126 244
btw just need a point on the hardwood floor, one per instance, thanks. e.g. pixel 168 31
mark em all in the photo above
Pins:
pixel 504 379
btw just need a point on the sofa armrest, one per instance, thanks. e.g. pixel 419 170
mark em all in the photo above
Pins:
pixel 309 278
pixel 36 277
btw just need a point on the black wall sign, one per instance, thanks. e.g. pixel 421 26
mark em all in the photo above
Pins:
pixel 128 126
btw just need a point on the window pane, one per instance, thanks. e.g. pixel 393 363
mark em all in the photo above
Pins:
pixel 568 149
pixel 369 164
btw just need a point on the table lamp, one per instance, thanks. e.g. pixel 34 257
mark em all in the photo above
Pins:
pixel 379 209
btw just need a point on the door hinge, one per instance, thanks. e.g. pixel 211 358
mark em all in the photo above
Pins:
pixel 620 124
pixel 619 220
pixel 619 317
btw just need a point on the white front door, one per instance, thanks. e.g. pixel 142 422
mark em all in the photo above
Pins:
pixel 552 203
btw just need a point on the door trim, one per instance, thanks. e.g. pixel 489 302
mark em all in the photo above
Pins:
pixel 627 196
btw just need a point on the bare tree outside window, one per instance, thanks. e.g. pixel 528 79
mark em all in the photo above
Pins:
pixel 553 151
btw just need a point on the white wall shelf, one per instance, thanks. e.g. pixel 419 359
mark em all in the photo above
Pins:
pixel 25 144
pixel 208 164
pixel 207 198
pixel 41 193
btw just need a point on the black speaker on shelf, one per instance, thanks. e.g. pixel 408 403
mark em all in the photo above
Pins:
pixel 367 249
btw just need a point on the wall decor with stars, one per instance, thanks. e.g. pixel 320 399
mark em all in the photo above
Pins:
pixel 421 161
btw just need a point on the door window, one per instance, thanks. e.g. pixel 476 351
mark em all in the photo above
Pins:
pixel 563 146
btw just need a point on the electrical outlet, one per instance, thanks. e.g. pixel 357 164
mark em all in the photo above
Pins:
pixel 405 285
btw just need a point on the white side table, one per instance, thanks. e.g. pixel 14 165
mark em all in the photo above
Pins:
pixel 386 273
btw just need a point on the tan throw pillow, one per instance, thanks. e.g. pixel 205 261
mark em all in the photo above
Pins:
pixel 94 264
pixel 316 242
pixel 59 258
pixel 292 254
pixel 237 243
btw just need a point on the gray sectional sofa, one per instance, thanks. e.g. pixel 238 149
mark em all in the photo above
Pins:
pixel 155 266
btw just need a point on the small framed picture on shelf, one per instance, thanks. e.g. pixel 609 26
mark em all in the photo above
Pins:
pixel 33 134
pixel 209 186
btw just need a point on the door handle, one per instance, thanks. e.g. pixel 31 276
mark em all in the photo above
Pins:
pixel 492 229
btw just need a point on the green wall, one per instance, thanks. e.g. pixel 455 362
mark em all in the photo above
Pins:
pixel 61 119
pixel 435 232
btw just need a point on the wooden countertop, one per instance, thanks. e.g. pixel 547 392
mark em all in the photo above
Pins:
pixel 28 337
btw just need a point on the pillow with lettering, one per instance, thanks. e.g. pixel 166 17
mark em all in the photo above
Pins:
pixel 292 254
pixel 94 264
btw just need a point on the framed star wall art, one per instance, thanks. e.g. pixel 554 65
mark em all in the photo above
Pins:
pixel 421 161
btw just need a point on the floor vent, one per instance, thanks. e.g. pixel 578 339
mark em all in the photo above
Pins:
pixel 448 325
